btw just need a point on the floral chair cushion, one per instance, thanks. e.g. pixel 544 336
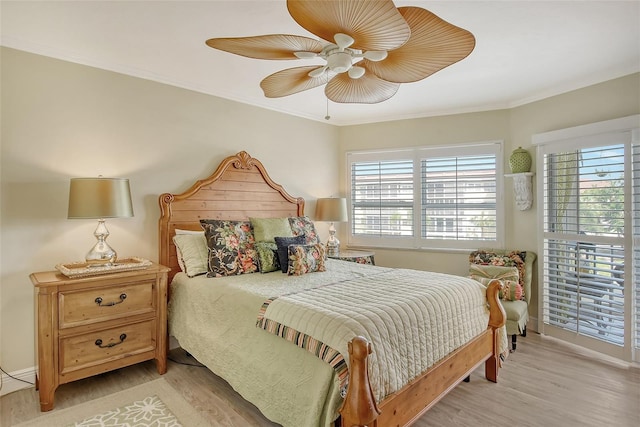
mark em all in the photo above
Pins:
pixel 510 259
pixel 305 259
pixel 231 247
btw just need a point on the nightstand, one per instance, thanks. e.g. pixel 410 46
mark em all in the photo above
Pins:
pixel 361 257
pixel 90 325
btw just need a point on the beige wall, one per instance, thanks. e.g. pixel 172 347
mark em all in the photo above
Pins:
pixel 57 115
pixel 612 99
pixel 62 120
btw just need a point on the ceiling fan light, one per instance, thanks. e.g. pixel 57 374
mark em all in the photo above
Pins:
pixel 317 72
pixel 375 55
pixel 339 62
pixel 343 40
pixel 356 72
pixel 305 55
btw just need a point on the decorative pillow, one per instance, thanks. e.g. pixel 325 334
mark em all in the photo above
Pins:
pixel 192 253
pixel 180 231
pixel 511 291
pixel 511 259
pixel 231 247
pixel 265 229
pixel 178 254
pixel 306 259
pixel 508 276
pixel 267 257
pixel 283 249
pixel 303 226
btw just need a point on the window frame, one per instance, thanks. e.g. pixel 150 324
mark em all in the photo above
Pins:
pixel 416 155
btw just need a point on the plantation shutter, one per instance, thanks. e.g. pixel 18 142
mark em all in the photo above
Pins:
pixel 459 197
pixel 584 243
pixel 382 198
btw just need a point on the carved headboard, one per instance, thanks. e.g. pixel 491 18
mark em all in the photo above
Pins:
pixel 238 189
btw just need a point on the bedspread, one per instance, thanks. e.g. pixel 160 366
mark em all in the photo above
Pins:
pixel 411 318
pixel 214 319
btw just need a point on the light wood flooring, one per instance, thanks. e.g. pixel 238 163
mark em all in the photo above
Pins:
pixel 544 383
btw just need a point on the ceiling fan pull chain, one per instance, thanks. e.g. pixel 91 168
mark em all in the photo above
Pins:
pixel 327 117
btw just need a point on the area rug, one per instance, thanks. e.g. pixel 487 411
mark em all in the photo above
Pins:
pixel 152 404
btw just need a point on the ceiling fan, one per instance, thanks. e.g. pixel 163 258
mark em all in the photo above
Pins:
pixel 369 47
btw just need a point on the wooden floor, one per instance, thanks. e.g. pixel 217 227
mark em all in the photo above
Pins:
pixel 545 383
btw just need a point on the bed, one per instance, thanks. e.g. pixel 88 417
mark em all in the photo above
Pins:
pixel 338 378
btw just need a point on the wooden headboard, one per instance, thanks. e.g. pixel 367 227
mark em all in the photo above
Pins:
pixel 238 189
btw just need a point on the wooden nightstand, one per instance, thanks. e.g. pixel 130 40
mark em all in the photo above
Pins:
pixel 361 257
pixel 90 325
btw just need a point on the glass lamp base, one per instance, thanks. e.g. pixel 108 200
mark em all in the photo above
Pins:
pixel 333 245
pixel 101 254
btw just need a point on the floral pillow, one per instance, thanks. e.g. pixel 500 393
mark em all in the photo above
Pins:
pixel 267 257
pixel 305 259
pixel 303 226
pixel 231 247
pixel 508 276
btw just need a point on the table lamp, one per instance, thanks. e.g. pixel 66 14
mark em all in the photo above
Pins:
pixel 332 210
pixel 100 198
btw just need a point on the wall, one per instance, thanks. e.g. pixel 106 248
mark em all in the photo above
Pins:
pixel 616 98
pixel 63 120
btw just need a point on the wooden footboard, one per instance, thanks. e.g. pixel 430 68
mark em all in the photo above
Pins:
pixel 404 407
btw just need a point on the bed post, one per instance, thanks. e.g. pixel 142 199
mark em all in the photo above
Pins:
pixel 359 408
pixel 497 319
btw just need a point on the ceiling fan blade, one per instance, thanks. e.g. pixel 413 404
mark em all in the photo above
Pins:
pixel 272 46
pixel 290 81
pixel 434 45
pixel 373 24
pixel 368 89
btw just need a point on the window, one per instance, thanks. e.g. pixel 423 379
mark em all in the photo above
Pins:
pixel 443 197
pixel 588 241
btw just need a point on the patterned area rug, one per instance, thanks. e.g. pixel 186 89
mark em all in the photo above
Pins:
pixel 150 411
pixel 153 404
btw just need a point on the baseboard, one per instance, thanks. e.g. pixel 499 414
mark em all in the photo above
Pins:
pixel 9 384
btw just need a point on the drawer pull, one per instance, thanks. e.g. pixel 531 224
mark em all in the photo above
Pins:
pixel 112 303
pixel 111 344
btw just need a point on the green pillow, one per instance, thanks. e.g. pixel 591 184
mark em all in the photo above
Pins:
pixel 265 229
pixel 267 257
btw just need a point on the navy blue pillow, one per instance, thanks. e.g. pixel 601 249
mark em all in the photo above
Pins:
pixel 283 244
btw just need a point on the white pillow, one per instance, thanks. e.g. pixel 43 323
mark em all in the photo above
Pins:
pixel 192 250
pixel 179 231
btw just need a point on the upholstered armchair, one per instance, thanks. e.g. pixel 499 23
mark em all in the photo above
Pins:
pixel 515 270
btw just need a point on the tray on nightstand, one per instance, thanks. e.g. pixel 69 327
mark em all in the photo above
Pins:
pixel 84 269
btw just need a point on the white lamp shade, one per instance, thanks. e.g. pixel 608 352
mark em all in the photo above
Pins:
pixel 97 198
pixel 331 210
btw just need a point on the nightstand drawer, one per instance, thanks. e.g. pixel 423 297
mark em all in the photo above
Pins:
pixel 95 305
pixel 97 347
